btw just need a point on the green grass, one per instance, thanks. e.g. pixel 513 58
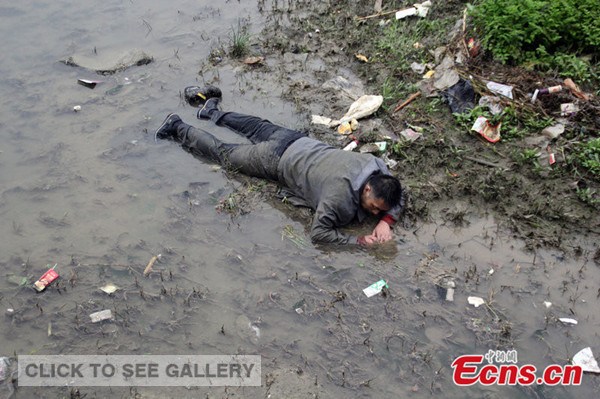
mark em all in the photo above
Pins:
pixel 239 40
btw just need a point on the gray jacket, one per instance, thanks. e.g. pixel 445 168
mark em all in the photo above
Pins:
pixel 328 180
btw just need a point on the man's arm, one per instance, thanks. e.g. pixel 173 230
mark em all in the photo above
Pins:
pixel 324 229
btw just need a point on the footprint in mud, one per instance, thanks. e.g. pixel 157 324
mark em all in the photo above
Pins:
pixel 247 330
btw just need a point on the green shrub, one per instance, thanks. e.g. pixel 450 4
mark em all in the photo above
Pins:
pixel 541 33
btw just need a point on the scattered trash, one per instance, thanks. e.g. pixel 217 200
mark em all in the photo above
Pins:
pixel 364 106
pixel 361 57
pixel 374 148
pixel 566 320
pixel 299 306
pixel 473 46
pixel 501 89
pixel 148 268
pixel 256 329
pixel 420 9
pixel 46 279
pixel 109 288
pixel 348 127
pixel 77 108
pixel 418 68
pixel 551 157
pixel 90 84
pixel 450 291
pixel 534 96
pixel 460 97
pixel 429 74
pixel 446 288
pixel 568 109
pixel 351 146
pixel 101 315
pixel 492 103
pixel 254 60
pixel 569 84
pixel 488 131
pixel 585 359
pixel 410 134
pixel 344 128
pixel 554 131
pixel 491 271
pixel 547 304
pixel 320 120
pixel 437 56
pixel 547 90
pixel 391 164
pixel 375 288
pixel 447 78
pixel 475 301
pixel 408 101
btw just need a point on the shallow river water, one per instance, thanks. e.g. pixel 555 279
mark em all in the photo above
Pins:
pixel 93 193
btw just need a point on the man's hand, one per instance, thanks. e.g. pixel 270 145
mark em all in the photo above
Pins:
pixel 382 232
pixel 367 240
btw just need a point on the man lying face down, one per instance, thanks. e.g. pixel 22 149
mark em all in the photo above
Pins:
pixel 338 185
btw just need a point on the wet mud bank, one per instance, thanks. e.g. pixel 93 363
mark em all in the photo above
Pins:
pixel 237 273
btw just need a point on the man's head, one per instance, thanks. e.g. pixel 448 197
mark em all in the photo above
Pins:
pixel 380 194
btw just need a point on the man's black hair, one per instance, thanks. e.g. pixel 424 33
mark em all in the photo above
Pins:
pixel 387 188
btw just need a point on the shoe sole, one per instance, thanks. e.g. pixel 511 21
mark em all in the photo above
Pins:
pixel 161 126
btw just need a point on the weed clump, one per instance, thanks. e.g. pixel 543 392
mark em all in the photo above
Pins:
pixel 589 156
pixel 239 40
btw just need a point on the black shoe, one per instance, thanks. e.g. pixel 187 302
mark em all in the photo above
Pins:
pixel 168 129
pixel 196 96
pixel 210 105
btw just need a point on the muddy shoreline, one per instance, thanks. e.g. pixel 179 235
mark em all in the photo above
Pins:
pixel 450 172
pixel 92 192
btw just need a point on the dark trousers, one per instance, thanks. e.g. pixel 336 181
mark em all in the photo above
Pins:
pixel 259 159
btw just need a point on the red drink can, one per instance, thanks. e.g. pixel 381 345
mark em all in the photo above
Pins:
pixel 46 279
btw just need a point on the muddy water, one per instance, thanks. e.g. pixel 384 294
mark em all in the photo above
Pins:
pixel 93 193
